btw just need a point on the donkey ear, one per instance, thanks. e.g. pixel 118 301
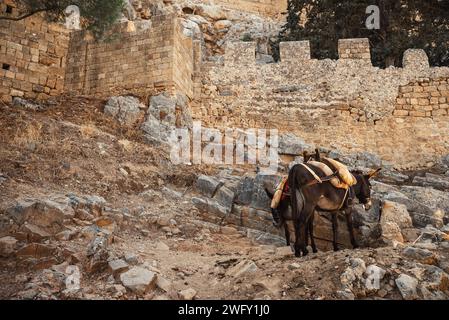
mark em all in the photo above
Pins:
pixel 373 173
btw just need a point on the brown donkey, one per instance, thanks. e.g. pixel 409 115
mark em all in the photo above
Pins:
pixel 307 195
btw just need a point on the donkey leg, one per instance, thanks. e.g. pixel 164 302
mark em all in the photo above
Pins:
pixel 287 234
pixel 335 230
pixel 348 214
pixel 312 240
pixel 301 230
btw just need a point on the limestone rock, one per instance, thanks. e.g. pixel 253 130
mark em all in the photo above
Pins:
pixel 407 286
pixel 187 294
pixel 36 250
pixel 7 246
pixel 396 213
pixel 422 255
pixel 34 233
pixel 209 206
pixel 46 214
pixel 244 191
pixel 391 232
pixel 221 25
pixel 374 275
pixel 126 109
pixel 163 284
pixel 394 218
pixel 138 279
pixel 116 267
pixel 207 186
pixel 242 268
pixel 225 197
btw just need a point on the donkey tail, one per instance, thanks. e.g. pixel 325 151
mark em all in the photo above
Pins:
pixel 296 196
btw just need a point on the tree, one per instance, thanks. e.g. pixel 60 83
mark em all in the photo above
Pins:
pixel 403 24
pixel 97 15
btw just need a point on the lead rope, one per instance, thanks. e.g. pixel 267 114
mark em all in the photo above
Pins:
pixel 344 198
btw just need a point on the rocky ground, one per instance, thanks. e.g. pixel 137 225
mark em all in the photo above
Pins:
pixel 91 208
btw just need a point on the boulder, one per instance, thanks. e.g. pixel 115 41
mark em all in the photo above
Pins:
pixel 126 109
pixel 225 197
pixel 163 115
pixel 396 213
pixel 92 203
pixel 421 255
pixel 430 199
pixel 242 268
pixel 138 279
pixel 221 25
pixel 118 266
pixel 7 246
pixel 36 250
pixel 394 218
pixel 46 214
pixel 205 205
pixel 25 104
pixel 98 253
pixel 34 233
pixel 391 232
pixel 266 238
pixel 244 192
pixel 213 12
pixel 374 276
pixel 439 182
pixel 260 199
pixel 207 186
pixel 131 258
pixel 434 283
pixel 407 286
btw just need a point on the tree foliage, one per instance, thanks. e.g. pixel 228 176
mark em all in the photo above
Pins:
pixel 97 15
pixel 403 24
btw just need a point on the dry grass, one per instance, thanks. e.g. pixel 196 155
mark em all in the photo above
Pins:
pixel 87 131
pixel 30 133
pixel 126 145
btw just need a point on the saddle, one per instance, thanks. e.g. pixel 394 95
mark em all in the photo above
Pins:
pixel 343 180
pixel 281 193
pixel 340 178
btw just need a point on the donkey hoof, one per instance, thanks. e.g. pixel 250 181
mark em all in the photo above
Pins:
pixel 336 249
pixel 314 250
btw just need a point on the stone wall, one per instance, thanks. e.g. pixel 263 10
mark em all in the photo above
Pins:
pixel 423 98
pixel 39 60
pixel 265 7
pixel 32 58
pixel 344 104
pixel 140 62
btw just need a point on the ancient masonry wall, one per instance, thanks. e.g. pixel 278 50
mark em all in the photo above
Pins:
pixel 40 59
pixel 156 59
pixel 32 58
pixel 265 7
pixel 346 104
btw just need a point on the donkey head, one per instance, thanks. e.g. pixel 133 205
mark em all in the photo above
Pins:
pixel 362 189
